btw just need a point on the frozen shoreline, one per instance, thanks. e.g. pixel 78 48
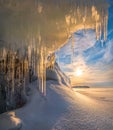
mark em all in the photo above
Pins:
pixel 66 109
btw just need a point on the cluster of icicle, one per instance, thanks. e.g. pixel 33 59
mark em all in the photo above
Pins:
pixel 100 25
pixel 18 71
pixel 14 76
pixel 92 16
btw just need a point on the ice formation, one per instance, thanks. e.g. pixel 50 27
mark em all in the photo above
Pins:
pixel 32 30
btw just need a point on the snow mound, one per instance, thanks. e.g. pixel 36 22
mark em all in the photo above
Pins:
pixel 9 121
pixel 56 74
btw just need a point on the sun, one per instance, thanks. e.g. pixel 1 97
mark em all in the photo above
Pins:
pixel 78 72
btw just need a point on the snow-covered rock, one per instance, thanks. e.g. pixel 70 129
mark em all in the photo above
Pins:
pixel 9 121
pixel 56 74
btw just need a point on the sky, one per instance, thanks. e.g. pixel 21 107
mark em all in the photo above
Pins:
pixel 92 61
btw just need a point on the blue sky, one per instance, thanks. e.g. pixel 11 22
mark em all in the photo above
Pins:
pixel 91 57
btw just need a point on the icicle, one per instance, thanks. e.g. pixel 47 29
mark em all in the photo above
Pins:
pixel 39 83
pixel 35 55
pixel 97 17
pixel 40 8
pixel 72 47
pixel 45 57
pixel 84 19
pixel 58 56
pixel 78 12
pixel 68 22
pixel 29 55
pixel 42 67
pixel 39 62
pixel 105 27
pixel 12 78
pixel 43 70
pixel 41 53
pixel 97 31
pixel 4 53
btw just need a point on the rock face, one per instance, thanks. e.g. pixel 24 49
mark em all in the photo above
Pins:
pixel 55 73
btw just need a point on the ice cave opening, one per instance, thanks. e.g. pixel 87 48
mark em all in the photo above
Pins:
pixel 31 32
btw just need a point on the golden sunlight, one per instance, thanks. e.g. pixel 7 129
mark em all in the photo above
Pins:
pixel 78 72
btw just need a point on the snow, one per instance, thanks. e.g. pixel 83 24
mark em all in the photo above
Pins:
pixel 64 109
pixel 9 121
pixel 91 110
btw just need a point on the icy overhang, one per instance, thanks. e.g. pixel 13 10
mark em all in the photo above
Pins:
pixel 50 22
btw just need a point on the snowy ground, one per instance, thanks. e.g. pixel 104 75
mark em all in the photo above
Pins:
pixel 65 109
pixel 91 109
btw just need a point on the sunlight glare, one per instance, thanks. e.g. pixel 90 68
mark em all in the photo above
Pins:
pixel 78 72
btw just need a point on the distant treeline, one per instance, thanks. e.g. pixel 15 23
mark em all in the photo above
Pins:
pixel 80 87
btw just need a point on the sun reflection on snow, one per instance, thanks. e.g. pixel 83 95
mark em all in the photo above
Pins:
pixel 84 99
